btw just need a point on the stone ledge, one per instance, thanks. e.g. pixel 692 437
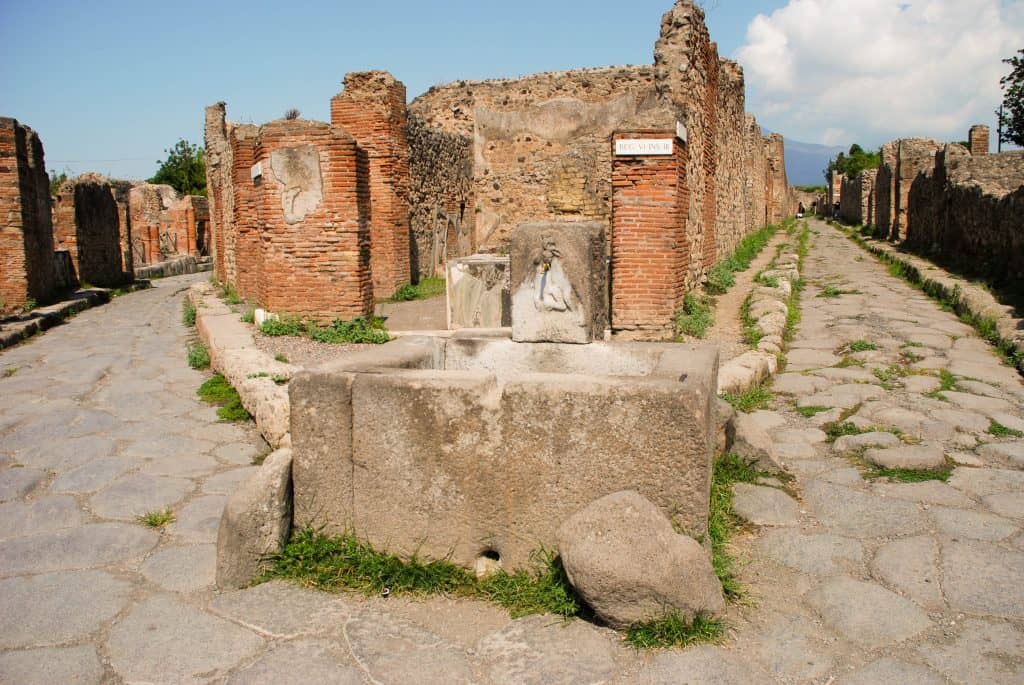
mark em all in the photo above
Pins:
pixel 971 299
pixel 233 354
pixel 15 329
pixel 175 267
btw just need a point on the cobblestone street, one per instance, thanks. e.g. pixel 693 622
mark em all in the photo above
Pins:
pixel 853 581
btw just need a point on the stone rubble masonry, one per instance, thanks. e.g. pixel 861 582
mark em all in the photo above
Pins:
pixel 219 186
pixel 372 109
pixel 441 212
pixel 651 245
pixel 778 184
pixel 914 156
pixel 969 212
pixel 858 202
pixel 835 189
pixel 27 270
pixel 86 224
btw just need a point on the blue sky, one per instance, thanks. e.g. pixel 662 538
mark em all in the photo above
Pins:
pixel 110 85
pixel 116 80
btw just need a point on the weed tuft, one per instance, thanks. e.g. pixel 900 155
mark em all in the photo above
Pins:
pixel 248 316
pixel 808 412
pixel 198 356
pixel 674 631
pixel 999 430
pixel 909 475
pixel 837 429
pixel 219 392
pixel 862 346
pixel 188 313
pixel 10 371
pixel 750 400
pixel 361 330
pixel 156 519
pixel 694 318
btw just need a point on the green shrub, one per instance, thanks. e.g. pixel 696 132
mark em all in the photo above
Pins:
pixel 359 330
pixel 750 400
pixel 720 279
pixel 219 392
pixel 188 312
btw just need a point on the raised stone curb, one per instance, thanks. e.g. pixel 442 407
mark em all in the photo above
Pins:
pixel 16 329
pixel 254 374
pixel 967 297
pixel 769 306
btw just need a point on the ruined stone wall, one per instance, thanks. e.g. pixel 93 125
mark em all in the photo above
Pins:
pixel 121 190
pixel 372 109
pixel 651 260
pixel 755 176
pixel 778 194
pixel 26 232
pixel 164 224
pixel 885 190
pixel 857 205
pixel 87 225
pixel 219 185
pixel 914 157
pixel 731 179
pixel 441 209
pixel 312 234
pixel 540 143
pixel 968 211
pixel 977 140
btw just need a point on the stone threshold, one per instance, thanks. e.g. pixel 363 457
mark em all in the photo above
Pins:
pixel 175 267
pixel 939 284
pixel 15 329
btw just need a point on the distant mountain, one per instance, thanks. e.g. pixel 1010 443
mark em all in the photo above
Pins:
pixel 806 161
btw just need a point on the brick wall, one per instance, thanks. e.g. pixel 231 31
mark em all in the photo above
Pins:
pixel 372 109
pixel 26 233
pixel 86 223
pixel 977 140
pixel 164 224
pixel 650 247
pixel 314 235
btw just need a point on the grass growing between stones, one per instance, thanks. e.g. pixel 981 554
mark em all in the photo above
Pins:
pixel 999 430
pixel 750 400
pixel 751 333
pixel 188 313
pixel 424 290
pixel 674 631
pixel 361 330
pixel 156 519
pixel 281 358
pixel 347 563
pixel 248 316
pixel 808 412
pixel 10 371
pixel 728 470
pixel 862 346
pixel 694 318
pixel 947 381
pixel 909 475
pixel 721 276
pixel 198 356
pixel 219 392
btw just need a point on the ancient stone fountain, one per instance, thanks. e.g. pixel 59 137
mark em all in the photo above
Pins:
pixel 476 447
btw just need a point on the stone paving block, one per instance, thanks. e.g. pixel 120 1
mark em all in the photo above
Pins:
pixel 983 578
pixel 984 653
pixel 237 453
pixel 1008 504
pixel 43 515
pixel 18 482
pixel 978 403
pixel 62 455
pixel 226 482
pixel 536 650
pixel 764 506
pixel 1011 453
pixel 701 665
pixel 182 569
pixel 791 648
pixel 889 670
pixel 798 384
pixel 301 661
pixel 863 515
pixel 929 492
pixel 161 639
pixel 284 610
pixel 94 544
pixel 59 607
pixel 185 466
pixel 818 554
pixel 854 443
pixel 135 495
pixel 909 566
pixel 805 359
pixel 393 650
pixel 983 481
pixel 51 665
pixel 91 476
pixel 199 520
pixel 866 613
pixel 975 525
pixel 922 457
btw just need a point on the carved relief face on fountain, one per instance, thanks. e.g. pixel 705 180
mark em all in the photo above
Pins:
pixel 553 291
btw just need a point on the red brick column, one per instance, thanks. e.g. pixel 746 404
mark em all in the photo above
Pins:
pixel 650 249
pixel 316 266
pixel 372 109
pixel 246 239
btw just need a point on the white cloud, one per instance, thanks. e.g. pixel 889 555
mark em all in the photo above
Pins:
pixel 837 71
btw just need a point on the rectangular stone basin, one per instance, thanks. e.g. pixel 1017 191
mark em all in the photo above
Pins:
pixel 470 447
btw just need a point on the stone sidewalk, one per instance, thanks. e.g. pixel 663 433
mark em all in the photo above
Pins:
pixel 853 582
